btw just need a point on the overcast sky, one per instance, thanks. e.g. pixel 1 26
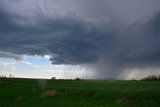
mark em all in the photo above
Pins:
pixel 98 39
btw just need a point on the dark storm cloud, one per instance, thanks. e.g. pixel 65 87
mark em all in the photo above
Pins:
pixel 137 47
pixel 117 35
pixel 70 40
pixel 143 38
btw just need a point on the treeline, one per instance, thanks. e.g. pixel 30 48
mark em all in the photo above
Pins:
pixel 75 79
pixel 151 78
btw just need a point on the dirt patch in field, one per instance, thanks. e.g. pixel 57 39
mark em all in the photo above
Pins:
pixel 123 100
pixel 19 99
pixel 51 94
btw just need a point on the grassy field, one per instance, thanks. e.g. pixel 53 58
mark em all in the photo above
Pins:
pixel 91 93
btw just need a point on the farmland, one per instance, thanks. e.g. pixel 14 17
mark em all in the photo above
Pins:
pixel 20 92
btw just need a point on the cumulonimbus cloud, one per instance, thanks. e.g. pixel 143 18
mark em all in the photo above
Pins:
pixel 68 40
pixel 115 39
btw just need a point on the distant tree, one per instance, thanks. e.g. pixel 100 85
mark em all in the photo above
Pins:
pixel 10 76
pixel 151 78
pixel 53 78
pixel 158 76
pixel 77 79
pixel 2 76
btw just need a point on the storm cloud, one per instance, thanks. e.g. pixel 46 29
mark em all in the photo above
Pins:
pixel 110 34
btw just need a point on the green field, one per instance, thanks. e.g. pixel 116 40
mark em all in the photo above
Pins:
pixel 66 93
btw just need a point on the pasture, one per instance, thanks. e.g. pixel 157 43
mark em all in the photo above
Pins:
pixel 16 92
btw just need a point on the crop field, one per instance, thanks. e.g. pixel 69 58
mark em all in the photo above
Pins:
pixel 71 93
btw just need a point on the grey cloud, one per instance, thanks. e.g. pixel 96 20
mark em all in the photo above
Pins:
pixel 74 41
pixel 10 55
pixel 137 47
pixel 113 37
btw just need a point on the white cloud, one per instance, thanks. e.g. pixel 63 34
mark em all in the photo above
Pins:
pixel 7 63
pixel 47 56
